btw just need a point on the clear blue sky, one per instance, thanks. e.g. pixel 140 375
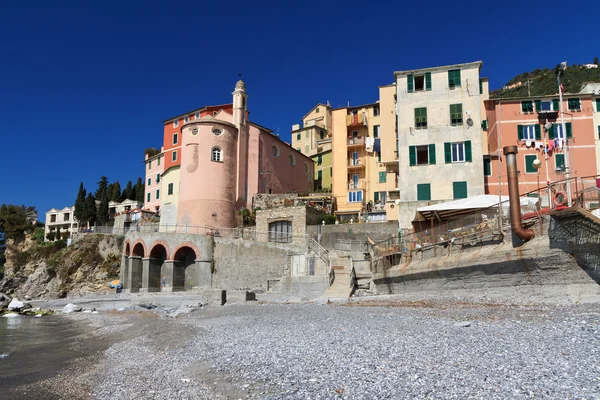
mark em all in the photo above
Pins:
pixel 84 86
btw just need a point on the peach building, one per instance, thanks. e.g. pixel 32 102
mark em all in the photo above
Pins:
pixel 521 122
pixel 155 164
pixel 216 160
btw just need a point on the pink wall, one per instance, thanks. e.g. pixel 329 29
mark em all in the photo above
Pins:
pixel 207 188
pixel 156 169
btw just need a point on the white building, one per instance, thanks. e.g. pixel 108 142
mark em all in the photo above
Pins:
pixel 63 219
pixel 439 112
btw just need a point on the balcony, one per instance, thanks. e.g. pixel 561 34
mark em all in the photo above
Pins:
pixel 358 119
pixel 355 141
pixel 357 186
pixel 355 163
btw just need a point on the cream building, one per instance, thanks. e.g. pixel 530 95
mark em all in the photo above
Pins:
pixel 439 113
pixel 63 219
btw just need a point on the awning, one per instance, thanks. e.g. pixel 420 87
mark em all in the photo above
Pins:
pixel 454 209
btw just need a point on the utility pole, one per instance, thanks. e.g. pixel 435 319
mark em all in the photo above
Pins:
pixel 559 71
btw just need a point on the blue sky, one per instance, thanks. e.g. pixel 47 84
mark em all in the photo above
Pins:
pixel 84 86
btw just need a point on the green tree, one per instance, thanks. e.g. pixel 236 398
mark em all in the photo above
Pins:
pixel 116 192
pixel 13 221
pixel 102 214
pixel 57 233
pixel 102 187
pixel 139 190
pixel 90 209
pixel 127 192
pixel 596 60
pixel 79 212
pixel 50 236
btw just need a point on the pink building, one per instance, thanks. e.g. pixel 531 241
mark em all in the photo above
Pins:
pixel 225 161
pixel 154 169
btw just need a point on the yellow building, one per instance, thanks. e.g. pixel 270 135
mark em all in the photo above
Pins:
pixel 313 138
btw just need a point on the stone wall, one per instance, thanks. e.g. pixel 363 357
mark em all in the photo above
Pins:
pixel 250 265
pixel 296 215
pixel 265 201
pixel 331 233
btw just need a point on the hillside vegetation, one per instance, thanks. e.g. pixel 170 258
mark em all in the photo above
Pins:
pixel 543 82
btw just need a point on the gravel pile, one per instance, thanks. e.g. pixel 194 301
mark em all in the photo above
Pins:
pixel 362 352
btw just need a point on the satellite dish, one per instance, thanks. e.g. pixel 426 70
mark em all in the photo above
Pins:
pixel 469 122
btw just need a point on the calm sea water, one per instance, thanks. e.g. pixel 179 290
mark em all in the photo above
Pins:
pixel 33 349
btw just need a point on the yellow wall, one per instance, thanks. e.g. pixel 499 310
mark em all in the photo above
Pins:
pixel 324 167
pixel 168 209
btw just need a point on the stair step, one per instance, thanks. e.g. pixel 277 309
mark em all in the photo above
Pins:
pixel 337 267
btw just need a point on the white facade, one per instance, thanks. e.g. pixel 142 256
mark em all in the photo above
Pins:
pixel 63 219
pixel 440 136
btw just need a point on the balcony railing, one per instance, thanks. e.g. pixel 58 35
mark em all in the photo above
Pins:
pixel 355 163
pixel 358 119
pixel 356 186
pixel 355 141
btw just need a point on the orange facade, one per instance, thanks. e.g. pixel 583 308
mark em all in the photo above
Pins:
pixel 516 122
pixel 172 132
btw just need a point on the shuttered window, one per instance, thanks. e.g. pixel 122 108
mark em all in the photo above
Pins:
pixel 424 191
pixel 527 106
pixel 428 81
pixel 422 155
pixel 484 125
pixel 556 131
pixel 298 136
pixel 574 104
pixel 421 118
pixel 319 174
pixel 319 159
pixel 559 162
pixel 555 105
pixel 456 115
pixel 458 152
pixel 410 84
pixel 382 177
pixel 487 167
pixel 529 158
pixel 460 190
pixel 598 104
pixel 529 132
pixel 454 78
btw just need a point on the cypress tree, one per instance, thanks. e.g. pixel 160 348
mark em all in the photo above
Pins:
pixel 102 187
pixel 127 192
pixel 116 192
pixel 90 209
pixel 79 212
pixel 139 190
pixel 102 214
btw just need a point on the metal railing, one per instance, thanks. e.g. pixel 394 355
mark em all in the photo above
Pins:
pixel 319 250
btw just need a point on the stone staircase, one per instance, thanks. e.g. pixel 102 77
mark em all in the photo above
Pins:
pixel 343 282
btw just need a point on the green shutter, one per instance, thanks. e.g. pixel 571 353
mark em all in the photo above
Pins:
pixel 382 177
pixel 412 153
pixel 468 153
pixel 520 132
pixel 559 161
pixel 598 104
pixel 487 167
pixel 319 159
pixel 569 130
pixel 378 156
pixel 319 174
pixel 555 105
pixel 538 105
pixel 448 152
pixel 423 191
pixel 529 164
pixel 376 197
pixel 460 190
pixel 428 81
pixel 484 125
pixel 551 132
pixel 432 154
pixel 538 132
pixel 411 83
pixel 298 136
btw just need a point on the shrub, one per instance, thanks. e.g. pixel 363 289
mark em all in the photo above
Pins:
pixel 50 236
pixel 38 235
pixel 329 219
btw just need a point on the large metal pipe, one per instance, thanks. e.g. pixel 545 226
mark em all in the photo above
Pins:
pixel 510 152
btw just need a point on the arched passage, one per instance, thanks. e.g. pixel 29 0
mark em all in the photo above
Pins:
pixel 135 267
pixel 158 255
pixel 127 249
pixel 125 265
pixel 138 250
pixel 184 268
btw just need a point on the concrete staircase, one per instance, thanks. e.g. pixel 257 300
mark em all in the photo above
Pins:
pixel 343 282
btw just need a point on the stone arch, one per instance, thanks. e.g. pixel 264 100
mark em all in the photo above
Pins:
pixel 127 248
pixel 185 244
pixel 184 266
pixel 136 249
pixel 160 243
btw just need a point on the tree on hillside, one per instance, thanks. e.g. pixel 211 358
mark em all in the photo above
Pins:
pixel 139 190
pixel 13 221
pixel 102 214
pixel 102 187
pixel 57 233
pixel 109 190
pixel 90 209
pixel 127 192
pixel 116 192
pixel 596 60
pixel 79 212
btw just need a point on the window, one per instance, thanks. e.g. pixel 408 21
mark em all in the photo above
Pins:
pixel 544 105
pixel 299 149
pixel 319 159
pixel 157 194
pixel 197 115
pixel 150 165
pixel 574 104
pixel 175 124
pixel 527 106
pixel 319 174
pixel 487 167
pixel 149 181
pixel 215 113
pixel 422 155
pixel 321 134
pixel 598 132
pixel 456 115
pixel 170 189
pixel 380 197
pixel 529 132
pixel 158 161
pixel 148 197
pixel 375 111
pixel 298 136
pixel 217 131
pixel 458 152
pixel 529 159
pixel 275 150
pixel 186 118
pixel 382 177
pixel 559 162
pixel 280 232
pixel 355 197
pixel 53 218
pixel 376 131
pixel 317 110
pixel 484 125
pixel 66 217
pixel 454 78
pixel 424 191
pixel 460 190
pixel 292 160
pixel 556 132
pixel 421 118
pixel 216 154
pixel 418 83
pixel 157 178
pixel 175 138
pixel 174 155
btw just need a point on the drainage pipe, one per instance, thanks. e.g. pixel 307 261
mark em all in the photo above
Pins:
pixel 510 152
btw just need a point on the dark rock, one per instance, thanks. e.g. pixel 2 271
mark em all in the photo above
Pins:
pixel 148 306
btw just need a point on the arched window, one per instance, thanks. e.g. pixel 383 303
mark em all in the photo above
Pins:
pixel 280 231
pixel 275 150
pixel 292 160
pixel 216 154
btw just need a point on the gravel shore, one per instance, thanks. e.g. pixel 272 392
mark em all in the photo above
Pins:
pixel 366 350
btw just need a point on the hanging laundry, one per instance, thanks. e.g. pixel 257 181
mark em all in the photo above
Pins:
pixel 539 145
pixel 550 145
pixel 377 145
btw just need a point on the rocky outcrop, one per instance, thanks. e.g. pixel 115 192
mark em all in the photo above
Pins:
pixel 47 270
